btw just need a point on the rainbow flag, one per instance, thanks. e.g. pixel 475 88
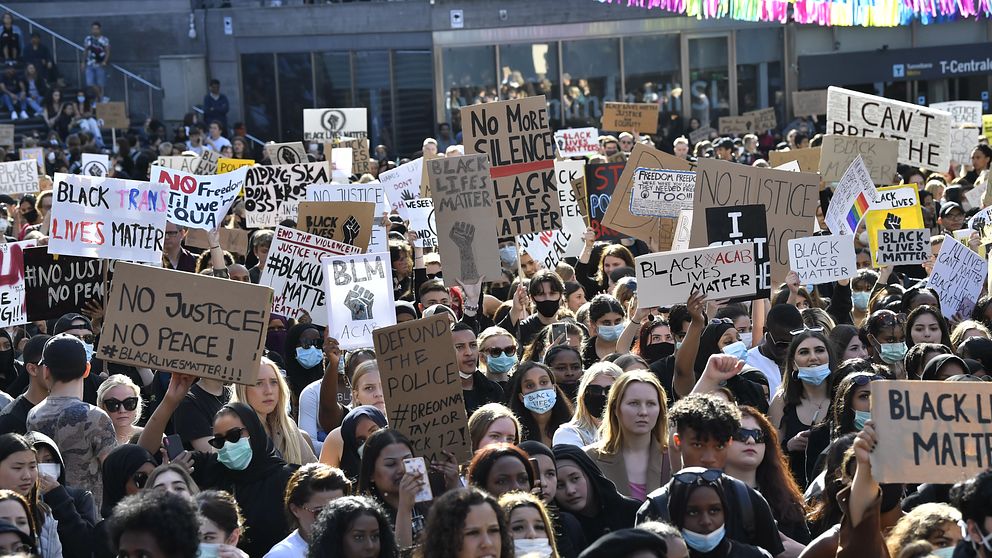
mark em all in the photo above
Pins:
pixel 858 210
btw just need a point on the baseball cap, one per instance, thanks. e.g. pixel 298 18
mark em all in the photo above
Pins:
pixel 64 323
pixel 725 143
pixel 66 354
pixel 947 207
pixel 34 347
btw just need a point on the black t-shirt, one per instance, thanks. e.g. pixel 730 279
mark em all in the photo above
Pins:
pixel 9 38
pixel 14 417
pixel 194 419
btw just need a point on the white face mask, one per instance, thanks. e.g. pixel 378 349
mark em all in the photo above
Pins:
pixel 531 547
pixel 747 338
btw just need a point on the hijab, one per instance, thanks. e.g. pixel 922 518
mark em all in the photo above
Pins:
pixel 264 457
pixel 297 376
pixel 275 341
pixel 932 369
pixel 613 511
pixel 351 462
pixel 708 344
pixel 120 464
pixel 8 373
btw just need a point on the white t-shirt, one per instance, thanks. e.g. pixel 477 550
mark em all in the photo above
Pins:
pixel 768 368
pixel 292 546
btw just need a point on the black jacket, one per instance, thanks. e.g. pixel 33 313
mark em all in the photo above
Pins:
pixel 614 511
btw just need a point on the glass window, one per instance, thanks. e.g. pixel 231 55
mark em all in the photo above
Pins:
pixel 591 77
pixel 413 74
pixel 372 82
pixel 295 93
pixel 469 78
pixel 333 79
pixel 652 72
pixel 760 82
pixel 709 80
pixel 531 69
pixel 258 77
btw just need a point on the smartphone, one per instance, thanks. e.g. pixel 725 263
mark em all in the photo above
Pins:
pixel 416 465
pixel 537 472
pixel 51 469
pixel 173 446
pixel 559 330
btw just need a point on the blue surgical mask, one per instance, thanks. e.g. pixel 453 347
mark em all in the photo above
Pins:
pixel 814 375
pixel 309 357
pixel 860 299
pixel 208 550
pixel 892 352
pixel 89 351
pixel 860 418
pixel 501 364
pixel 540 401
pixel 737 349
pixel 703 543
pixel 610 333
pixel 235 455
pixel 508 255
pixel 946 552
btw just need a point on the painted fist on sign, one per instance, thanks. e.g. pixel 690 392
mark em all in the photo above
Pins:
pixel 359 301
pixel 351 230
pixel 893 221
pixel 462 235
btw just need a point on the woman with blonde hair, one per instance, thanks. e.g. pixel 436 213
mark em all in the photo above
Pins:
pixel 366 389
pixel 530 525
pixel 590 401
pixel 493 423
pixel 936 523
pixel 121 399
pixel 966 330
pixel 633 436
pixel 174 478
pixel 269 398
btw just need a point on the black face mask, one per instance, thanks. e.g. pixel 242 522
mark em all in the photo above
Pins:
pixel 547 308
pixel 595 399
pixel 31 216
pixel 657 351
pixel 570 389
pixel 500 292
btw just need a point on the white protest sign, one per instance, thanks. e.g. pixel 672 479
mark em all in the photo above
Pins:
pixel 822 259
pixel 101 217
pixel 403 184
pixel 661 193
pixel 357 192
pixel 853 197
pixel 420 212
pixel 341 160
pixel 577 142
pixel 667 278
pixel 199 201
pixel 573 224
pixel 683 230
pixel 903 246
pixel 36 154
pixel 923 133
pixel 18 177
pixel 359 297
pixel 95 164
pixel 896 197
pixel 963 142
pixel 273 192
pixel 13 309
pixel 791 166
pixel 325 124
pixel 294 272
pixel 963 113
pixel 546 247
pixel 957 277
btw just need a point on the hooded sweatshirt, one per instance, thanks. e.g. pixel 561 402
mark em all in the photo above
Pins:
pixel 612 511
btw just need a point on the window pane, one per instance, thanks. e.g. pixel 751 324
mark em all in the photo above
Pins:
pixel 333 80
pixel 372 81
pixel 651 69
pixel 591 77
pixel 531 69
pixel 760 83
pixel 258 76
pixel 413 74
pixel 469 78
pixel 709 80
pixel 295 93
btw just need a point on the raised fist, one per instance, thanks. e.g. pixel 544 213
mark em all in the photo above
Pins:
pixel 351 230
pixel 462 235
pixel 359 301
pixel 893 221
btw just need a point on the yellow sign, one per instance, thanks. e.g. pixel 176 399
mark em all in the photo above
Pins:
pixel 897 207
pixel 228 165
pixel 987 126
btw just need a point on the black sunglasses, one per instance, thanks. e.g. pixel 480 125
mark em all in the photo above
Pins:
pixel 743 434
pixel 140 479
pixel 693 477
pixel 88 338
pixel 114 405
pixel 232 435
pixel 497 351
pixel 863 379
pixel 306 344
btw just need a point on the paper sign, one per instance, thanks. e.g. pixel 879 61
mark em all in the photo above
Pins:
pixel 58 285
pixel 982 223
pixel 359 292
pixel 234 241
pixel 572 202
pixel 199 201
pixel 923 133
pixel 879 156
pixel 963 113
pixel 667 278
pixel 789 197
pixel 853 197
pixel 360 160
pixel 630 117
pixel 601 182
pixel 577 142
pixel 822 259
pixel 289 153
pixel 791 166
pixel 346 222
pixel 808 159
pixel 325 124
pixel 18 177
pixel 465 218
pixel 185 322
pixel 957 277
pixel 225 165
pixel 110 218
pixel 903 246
pixel 420 212
pixel 896 207
pixel 113 115
pixel 95 164
pixel 661 193
pixel 701 134
pixel 185 163
pixel 987 126
pixel 341 165
pixel 13 310
pixel 293 270
pixel 809 103
pixel 402 184
pixel 931 432
pixel 7 135
pixel 274 192
pixel 521 148
pixel 741 224
pixel 735 125
pixel 683 230
pixel 547 247
pixel 963 142
pixel 36 154
pixel 423 393
pixel 356 192
pixel 764 119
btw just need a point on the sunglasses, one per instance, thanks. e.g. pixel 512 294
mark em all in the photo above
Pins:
pixel 805 329
pixel 743 434
pixel 864 379
pixel 114 405
pixel 598 389
pixel 718 321
pixel 497 351
pixel 88 338
pixel 140 479
pixel 232 435
pixel 693 477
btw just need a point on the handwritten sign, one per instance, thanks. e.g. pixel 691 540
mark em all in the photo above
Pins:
pixel 185 163
pixel 740 224
pixel 422 389
pixel 346 222
pixel 896 207
pixel 234 241
pixel 34 154
pixel 95 164
pixel 738 125
pixel 661 193
pixel 935 432
pixel 764 119
pixel 226 165
pixel 110 218
pixel 668 278
pixel 987 126
pixel 17 177
pixel 879 156
pixel 402 184
pixel 289 153
pixel 274 192
pixel 923 133
pixel 853 197
pixel 325 124
pixel 57 285
pixel 570 178
pixel 701 134
pixel 577 142
pixel 903 246
pixel 683 230
pixel 963 113
pixel 822 259
pixel 113 115
pixel 7 135
pixel 809 103
pixel 963 142
pixel 13 310
pixel 808 159
pixel 957 277
pixel 517 137
pixel 601 181
pixel 359 295
pixel 360 160
pixel 630 117
pixel 422 221
pixel 371 192
pixel 199 201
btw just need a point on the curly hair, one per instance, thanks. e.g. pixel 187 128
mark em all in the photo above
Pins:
pixel 484 460
pixel 168 518
pixel 443 532
pixel 920 524
pixel 327 537
pixel 708 415
pixel 773 475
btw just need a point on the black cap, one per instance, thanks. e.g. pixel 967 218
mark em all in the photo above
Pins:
pixel 66 354
pixel 725 143
pixel 947 207
pixel 34 348
pixel 64 323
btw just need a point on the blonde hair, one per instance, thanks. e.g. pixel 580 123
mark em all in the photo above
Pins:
pixel 494 331
pixel 120 380
pixel 611 433
pixel 483 417
pixel 957 336
pixel 360 371
pixel 177 469
pixel 919 524
pixel 582 417
pixel 513 500
pixel 281 428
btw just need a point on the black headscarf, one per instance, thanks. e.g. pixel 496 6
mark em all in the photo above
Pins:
pixel 118 467
pixel 533 447
pixel 626 542
pixel 351 462
pixel 709 344
pixel 296 376
pixel 8 372
pixel 613 510
pixel 932 369
pixel 265 459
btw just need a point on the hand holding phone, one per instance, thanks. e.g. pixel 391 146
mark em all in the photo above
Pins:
pixel 417 466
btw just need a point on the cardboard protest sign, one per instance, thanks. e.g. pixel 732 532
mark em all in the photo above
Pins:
pixel 517 137
pixel 923 133
pixel 701 134
pixel 13 310
pixel 360 160
pixel 359 297
pixel 667 278
pixel 35 154
pixel 957 277
pixel 683 230
pixel 903 246
pixel 822 259
pixel 661 193
pixel 234 241
pixel 289 153
pixel 199 201
pixel 110 218
pixel 963 142
pixel 740 224
pixel 789 197
pixel 274 192
pixel 853 197
pixel 113 115
pixel 763 119
pixel 808 159
pixel 346 222
pixel 209 161
pixel 185 322
pixel 791 166
pixel 931 432
pixel 402 184
pixel 57 285
pixel 630 117
pixel 879 156
pixel 185 163
pixel 293 270
pixel 17 177
pixel 420 212
pixel 809 103
pixel 225 165
pixel 735 125
pixel 963 113
pixel 466 222
pixel 7 135
pixel 577 142
pixel 95 164
pixel 423 393
pixel 601 182
pixel 896 207
pixel 325 124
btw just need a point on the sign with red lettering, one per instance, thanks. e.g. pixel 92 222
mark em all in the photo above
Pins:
pixel 199 201
pixel 13 302
pixel 109 218
pixel 667 278
pixel 577 142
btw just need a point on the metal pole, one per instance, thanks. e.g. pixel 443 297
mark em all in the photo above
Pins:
pixel 151 102
pixel 126 104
